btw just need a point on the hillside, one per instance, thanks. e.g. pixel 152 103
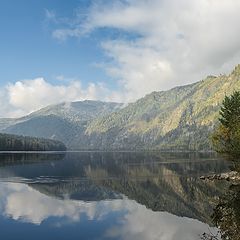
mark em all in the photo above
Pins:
pixel 181 118
pixel 19 143
pixel 65 122
pixel 178 119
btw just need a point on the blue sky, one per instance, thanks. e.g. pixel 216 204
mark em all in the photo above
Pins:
pixel 54 51
pixel 28 49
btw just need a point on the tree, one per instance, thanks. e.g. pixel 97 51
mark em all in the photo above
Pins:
pixel 10 142
pixel 226 137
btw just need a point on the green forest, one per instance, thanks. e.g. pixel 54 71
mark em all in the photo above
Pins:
pixel 10 142
pixel 226 137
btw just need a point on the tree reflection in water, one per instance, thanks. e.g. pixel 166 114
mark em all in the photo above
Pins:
pixel 226 215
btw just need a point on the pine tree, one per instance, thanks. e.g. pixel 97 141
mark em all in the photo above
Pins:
pixel 230 111
pixel 226 137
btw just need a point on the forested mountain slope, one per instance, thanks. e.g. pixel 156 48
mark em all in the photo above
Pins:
pixel 181 118
pixel 178 119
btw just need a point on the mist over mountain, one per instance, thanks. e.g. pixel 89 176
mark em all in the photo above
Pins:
pixel 178 119
pixel 66 121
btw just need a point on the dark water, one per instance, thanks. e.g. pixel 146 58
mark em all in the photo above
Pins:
pixel 108 195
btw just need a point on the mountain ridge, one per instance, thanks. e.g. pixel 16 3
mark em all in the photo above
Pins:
pixel 194 106
pixel 181 118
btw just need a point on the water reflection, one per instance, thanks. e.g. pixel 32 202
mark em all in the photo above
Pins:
pixel 108 195
pixel 131 220
pixel 23 203
pixel 227 212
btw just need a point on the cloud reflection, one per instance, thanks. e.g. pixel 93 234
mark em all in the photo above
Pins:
pixel 22 203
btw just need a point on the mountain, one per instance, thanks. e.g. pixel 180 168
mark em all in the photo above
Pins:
pixel 65 122
pixel 178 119
pixel 10 142
pixel 181 118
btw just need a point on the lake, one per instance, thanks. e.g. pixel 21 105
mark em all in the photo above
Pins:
pixel 115 195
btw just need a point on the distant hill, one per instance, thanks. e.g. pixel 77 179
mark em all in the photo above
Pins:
pixel 19 143
pixel 65 122
pixel 178 119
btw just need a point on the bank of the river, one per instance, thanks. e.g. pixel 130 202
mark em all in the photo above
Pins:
pixel 232 176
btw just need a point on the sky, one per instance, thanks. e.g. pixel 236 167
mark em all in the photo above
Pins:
pixel 56 51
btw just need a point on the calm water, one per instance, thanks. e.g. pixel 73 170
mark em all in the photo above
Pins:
pixel 107 195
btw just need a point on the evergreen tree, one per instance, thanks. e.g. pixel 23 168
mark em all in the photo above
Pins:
pixel 226 138
pixel 10 142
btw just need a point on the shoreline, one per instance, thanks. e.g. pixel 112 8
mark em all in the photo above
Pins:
pixel 232 176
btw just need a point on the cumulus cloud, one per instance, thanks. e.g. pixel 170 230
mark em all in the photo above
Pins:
pixel 160 44
pixel 170 42
pixel 26 96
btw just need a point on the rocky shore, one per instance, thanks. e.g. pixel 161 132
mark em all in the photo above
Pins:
pixel 228 176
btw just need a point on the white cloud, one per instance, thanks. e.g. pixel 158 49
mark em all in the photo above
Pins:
pixel 27 96
pixel 179 41
pixel 139 69
pixel 50 15
pixel 170 42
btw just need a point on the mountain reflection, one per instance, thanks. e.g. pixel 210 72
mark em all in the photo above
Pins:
pixel 133 221
pixel 143 195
